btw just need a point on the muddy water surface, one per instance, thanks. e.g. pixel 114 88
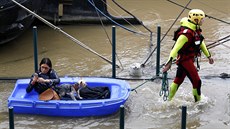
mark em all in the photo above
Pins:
pixel 144 109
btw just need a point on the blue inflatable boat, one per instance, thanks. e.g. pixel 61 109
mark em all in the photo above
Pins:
pixel 28 103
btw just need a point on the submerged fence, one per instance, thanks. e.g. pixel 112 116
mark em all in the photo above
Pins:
pixel 121 121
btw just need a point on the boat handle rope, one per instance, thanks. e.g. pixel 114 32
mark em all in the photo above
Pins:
pixel 134 89
pixel 146 80
pixel 164 87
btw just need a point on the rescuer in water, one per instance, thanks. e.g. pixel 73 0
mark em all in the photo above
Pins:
pixel 189 44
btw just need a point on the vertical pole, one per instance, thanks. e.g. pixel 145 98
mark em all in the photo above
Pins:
pixel 113 52
pixel 35 49
pixel 151 42
pixel 183 118
pixel 158 50
pixel 122 115
pixel 11 117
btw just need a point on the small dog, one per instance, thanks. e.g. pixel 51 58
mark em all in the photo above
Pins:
pixel 70 90
pixel 135 70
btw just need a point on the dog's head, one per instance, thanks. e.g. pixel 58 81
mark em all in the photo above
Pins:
pixel 136 66
pixel 135 70
pixel 81 83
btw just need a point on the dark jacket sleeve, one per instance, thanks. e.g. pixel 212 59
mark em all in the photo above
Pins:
pixel 54 77
pixel 30 86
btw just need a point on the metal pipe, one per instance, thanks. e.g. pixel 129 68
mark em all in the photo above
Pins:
pixel 183 117
pixel 113 51
pixel 158 50
pixel 35 48
pixel 151 42
pixel 11 117
pixel 122 115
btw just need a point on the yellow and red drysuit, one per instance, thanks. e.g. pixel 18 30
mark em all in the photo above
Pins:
pixel 188 45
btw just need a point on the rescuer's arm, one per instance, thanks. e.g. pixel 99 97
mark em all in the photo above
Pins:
pixel 206 52
pixel 178 45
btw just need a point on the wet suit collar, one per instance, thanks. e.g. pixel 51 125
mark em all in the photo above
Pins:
pixel 186 23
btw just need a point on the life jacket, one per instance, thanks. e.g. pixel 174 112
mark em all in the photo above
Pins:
pixel 192 47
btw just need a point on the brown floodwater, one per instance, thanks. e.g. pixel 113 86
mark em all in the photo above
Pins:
pixel 144 109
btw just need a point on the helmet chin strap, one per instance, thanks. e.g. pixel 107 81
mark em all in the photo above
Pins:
pixel 197 25
pixel 190 21
pixel 193 22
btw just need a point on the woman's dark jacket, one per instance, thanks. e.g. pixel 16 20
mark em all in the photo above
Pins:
pixel 41 87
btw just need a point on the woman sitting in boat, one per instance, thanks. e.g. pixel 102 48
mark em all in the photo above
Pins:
pixel 43 80
pixel 81 90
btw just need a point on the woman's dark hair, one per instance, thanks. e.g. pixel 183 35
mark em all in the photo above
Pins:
pixel 46 61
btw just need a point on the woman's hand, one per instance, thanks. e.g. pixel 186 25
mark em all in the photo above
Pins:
pixel 42 80
pixel 35 78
